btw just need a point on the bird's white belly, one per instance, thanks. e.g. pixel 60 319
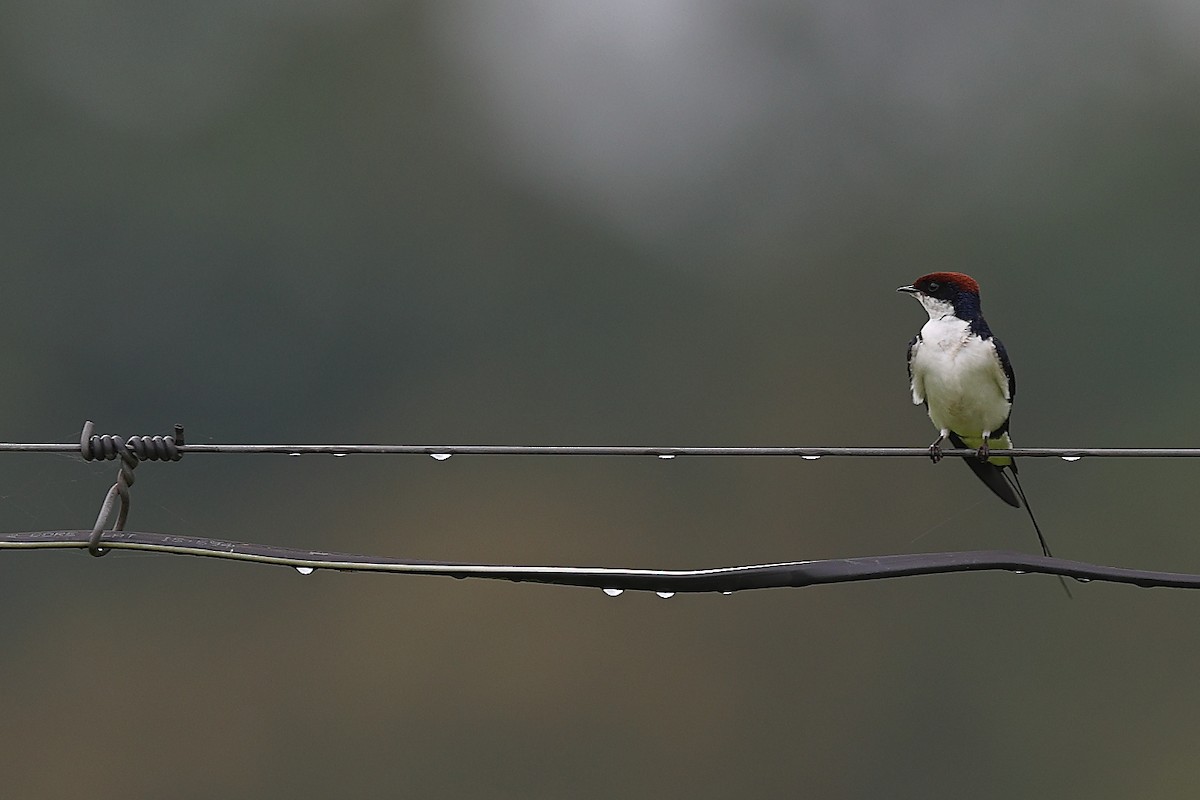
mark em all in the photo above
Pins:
pixel 962 380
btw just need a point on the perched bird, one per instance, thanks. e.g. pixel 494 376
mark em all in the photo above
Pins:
pixel 962 374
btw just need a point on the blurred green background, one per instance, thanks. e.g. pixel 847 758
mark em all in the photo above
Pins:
pixel 647 222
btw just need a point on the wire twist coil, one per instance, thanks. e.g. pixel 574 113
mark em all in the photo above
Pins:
pixel 131 452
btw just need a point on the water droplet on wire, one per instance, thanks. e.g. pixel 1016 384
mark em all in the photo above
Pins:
pixel 440 456
pixel 1071 458
pixel 614 592
pixel 304 570
pixel 340 455
pixel 727 593
pixel 810 458
pixel 665 456
pixel 295 455
pixel 665 595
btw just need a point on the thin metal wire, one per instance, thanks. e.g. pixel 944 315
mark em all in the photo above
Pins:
pixel 639 450
pixel 665 582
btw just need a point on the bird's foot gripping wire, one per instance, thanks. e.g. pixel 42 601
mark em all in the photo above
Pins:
pixel 982 452
pixel 131 451
pixel 935 449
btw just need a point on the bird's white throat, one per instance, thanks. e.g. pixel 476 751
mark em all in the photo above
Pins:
pixel 935 306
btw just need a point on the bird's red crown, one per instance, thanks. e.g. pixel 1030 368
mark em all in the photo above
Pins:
pixel 964 282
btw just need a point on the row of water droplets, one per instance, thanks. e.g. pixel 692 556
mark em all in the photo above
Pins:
pixel 446 456
pixel 662 456
pixel 611 593
pixel 664 595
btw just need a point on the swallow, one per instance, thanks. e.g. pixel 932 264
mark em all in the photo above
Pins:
pixel 961 373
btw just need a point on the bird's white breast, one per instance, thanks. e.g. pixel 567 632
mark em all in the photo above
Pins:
pixel 960 377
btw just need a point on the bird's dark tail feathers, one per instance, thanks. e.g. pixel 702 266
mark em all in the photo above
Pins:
pixel 990 474
pixel 1016 484
pixel 1010 474
pixel 1007 486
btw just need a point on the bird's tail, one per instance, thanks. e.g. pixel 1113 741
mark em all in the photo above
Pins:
pixel 989 473
pixel 1004 482
pixel 1010 474
pixel 1011 477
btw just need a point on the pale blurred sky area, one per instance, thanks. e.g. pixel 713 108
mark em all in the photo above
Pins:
pixel 655 222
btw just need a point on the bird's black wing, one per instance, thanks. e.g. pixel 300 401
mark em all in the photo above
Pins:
pixel 1006 365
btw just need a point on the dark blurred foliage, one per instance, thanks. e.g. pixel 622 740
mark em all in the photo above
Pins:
pixel 572 223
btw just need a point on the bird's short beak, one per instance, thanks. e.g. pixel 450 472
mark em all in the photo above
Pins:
pixel 907 289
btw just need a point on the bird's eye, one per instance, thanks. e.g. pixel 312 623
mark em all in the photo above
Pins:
pixel 934 286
